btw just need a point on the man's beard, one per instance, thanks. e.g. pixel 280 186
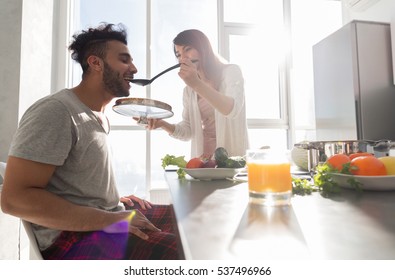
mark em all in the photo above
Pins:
pixel 113 82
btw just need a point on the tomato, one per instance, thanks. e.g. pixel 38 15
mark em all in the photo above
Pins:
pixel 367 166
pixel 195 163
pixel 359 154
pixel 337 161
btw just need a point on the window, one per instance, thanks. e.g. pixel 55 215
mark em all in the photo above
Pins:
pixel 152 25
pixel 311 22
pixel 257 42
pixel 270 40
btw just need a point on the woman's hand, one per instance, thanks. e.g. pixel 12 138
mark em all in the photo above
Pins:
pixel 154 124
pixel 128 200
pixel 151 123
pixel 189 72
pixel 159 123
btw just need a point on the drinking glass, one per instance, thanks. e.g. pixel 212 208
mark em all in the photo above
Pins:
pixel 269 177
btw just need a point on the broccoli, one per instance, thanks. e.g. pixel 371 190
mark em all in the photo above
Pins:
pixel 220 156
pixel 235 162
pixel 225 161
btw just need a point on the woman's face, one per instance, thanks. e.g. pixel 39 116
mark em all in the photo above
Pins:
pixel 186 52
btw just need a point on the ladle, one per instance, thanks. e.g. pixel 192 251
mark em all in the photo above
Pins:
pixel 144 82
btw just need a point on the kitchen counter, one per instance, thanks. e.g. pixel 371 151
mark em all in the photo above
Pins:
pixel 216 221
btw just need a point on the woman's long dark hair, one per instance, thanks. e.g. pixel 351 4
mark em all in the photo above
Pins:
pixel 209 61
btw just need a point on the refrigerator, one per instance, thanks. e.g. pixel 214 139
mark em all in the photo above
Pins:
pixel 353 83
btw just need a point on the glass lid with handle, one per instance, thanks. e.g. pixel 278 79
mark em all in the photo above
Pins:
pixel 143 108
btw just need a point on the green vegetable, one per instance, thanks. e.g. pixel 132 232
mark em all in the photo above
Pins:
pixel 302 186
pixel 181 173
pixel 220 156
pixel 176 161
pixel 323 178
pixel 235 162
pixel 323 181
pixel 173 160
pixel 223 159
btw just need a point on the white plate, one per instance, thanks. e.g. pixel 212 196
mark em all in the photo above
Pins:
pixel 373 183
pixel 212 173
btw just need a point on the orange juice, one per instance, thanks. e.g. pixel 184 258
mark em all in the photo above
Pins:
pixel 269 177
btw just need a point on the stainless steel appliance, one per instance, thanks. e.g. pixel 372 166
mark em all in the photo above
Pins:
pixel 353 83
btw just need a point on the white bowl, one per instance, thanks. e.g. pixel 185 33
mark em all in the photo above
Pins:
pixel 212 173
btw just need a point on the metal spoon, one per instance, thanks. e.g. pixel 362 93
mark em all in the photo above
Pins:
pixel 144 82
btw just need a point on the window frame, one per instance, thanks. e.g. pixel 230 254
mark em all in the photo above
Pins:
pixel 227 29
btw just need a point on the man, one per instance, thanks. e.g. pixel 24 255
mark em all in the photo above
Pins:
pixel 59 175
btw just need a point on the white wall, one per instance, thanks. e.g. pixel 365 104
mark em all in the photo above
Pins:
pixel 26 57
pixel 25 76
pixel 36 52
pixel 383 11
pixel 10 57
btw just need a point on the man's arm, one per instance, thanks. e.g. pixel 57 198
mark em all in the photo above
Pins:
pixel 24 195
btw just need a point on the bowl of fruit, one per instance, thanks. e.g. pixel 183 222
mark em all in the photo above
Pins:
pixel 361 170
pixel 219 166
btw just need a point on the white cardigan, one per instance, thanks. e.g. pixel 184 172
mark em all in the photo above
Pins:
pixel 231 130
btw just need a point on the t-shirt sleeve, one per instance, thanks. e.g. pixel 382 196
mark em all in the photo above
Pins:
pixel 44 133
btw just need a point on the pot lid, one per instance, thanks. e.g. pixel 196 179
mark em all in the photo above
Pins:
pixel 143 107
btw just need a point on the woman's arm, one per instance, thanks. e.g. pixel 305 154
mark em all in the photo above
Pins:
pixel 159 123
pixel 221 102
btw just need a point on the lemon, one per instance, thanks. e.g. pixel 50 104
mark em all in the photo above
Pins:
pixel 389 162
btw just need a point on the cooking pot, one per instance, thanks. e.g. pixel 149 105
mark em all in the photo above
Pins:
pixel 319 151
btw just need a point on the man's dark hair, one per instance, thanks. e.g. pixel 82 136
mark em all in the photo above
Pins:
pixel 93 41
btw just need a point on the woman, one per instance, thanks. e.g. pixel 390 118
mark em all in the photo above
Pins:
pixel 214 112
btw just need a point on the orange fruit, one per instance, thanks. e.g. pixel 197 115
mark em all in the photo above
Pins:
pixel 337 161
pixel 359 154
pixel 389 162
pixel 367 166
pixel 195 163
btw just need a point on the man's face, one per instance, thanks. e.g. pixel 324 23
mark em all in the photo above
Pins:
pixel 117 65
pixel 114 82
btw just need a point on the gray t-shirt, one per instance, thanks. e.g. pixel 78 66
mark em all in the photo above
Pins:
pixel 60 130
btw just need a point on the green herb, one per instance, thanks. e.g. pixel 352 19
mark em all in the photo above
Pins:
pixel 355 184
pixel 173 160
pixel 324 181
pixel 302 186
pixel 176 161
pixel 181 173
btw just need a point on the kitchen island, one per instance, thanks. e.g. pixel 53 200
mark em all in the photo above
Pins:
pixel 216 222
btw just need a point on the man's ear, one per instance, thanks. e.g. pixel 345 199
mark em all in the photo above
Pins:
pixel 95 63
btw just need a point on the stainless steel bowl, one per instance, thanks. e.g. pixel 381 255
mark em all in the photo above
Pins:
pixel 319 151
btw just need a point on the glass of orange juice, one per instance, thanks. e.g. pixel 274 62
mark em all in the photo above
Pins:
pixel 269 177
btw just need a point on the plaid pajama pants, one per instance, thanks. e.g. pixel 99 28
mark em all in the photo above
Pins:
pixel 99 245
